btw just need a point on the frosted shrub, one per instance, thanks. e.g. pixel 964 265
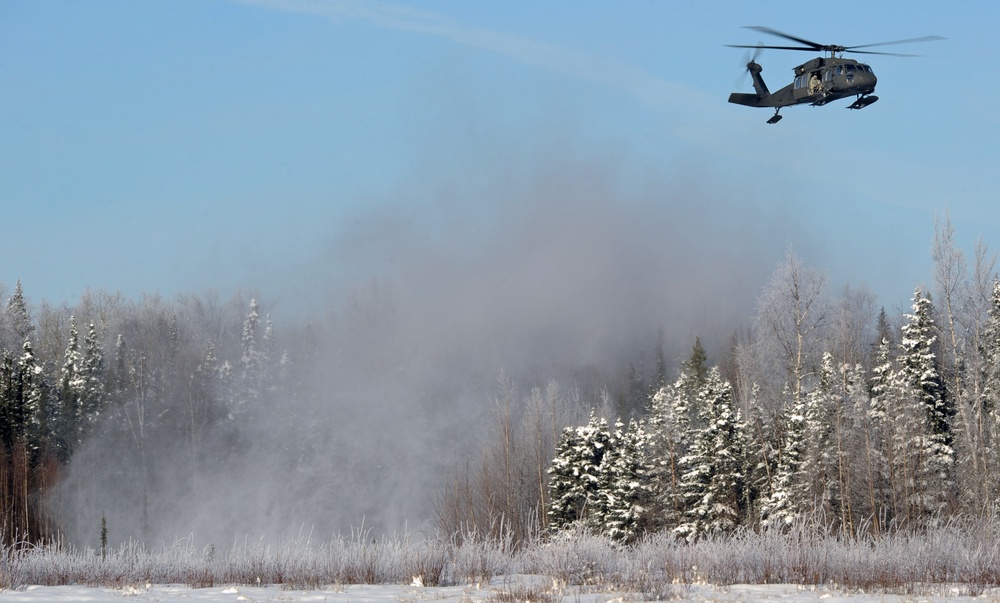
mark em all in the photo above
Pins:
pixel 577 557
pixel 474 559
pixel 659 566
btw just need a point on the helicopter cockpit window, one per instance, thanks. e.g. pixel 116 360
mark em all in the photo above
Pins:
pixel 840 70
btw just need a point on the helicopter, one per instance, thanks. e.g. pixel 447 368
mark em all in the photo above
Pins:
pixel 819 81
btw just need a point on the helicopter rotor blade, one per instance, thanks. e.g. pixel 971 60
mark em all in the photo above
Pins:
pixel 888 54
pixel 775 32
pixel 809 45
pixel 775 47
pixel 907 41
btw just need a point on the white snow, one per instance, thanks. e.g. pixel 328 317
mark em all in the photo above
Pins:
pixel 771 593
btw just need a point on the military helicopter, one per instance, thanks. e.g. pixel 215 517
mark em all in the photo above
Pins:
pixel 819 81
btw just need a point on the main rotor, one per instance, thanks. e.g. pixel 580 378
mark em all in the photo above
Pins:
pixel 835 50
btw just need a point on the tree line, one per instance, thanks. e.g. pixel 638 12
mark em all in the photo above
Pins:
pixel 129 375
pixel 824 410
pixel 822 407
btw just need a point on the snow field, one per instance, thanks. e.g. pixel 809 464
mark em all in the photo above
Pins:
pixel 959 559
pixel 492 593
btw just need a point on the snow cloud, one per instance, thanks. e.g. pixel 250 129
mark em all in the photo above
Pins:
pixel 529 256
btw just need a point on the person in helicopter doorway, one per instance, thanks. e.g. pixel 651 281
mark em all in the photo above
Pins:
pixel 814 85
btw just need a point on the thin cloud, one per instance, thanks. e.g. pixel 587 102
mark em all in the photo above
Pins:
pixel 645 87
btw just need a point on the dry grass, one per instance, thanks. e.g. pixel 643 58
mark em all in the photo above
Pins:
pixel 963 554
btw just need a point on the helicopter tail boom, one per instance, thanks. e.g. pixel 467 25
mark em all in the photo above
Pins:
pixel 750 100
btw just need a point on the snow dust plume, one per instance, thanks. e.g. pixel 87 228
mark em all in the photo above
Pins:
pixel 545 270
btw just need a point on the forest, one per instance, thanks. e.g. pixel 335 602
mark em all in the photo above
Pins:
pixel 824 409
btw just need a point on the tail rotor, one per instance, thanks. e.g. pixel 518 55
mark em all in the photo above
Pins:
pixel 749 60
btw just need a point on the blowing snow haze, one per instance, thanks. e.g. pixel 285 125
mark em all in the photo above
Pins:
pixel 549 273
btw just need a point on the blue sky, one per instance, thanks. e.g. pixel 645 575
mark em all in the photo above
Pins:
pixel 171 146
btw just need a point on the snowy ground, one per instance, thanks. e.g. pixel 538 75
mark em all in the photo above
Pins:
pixel 495 592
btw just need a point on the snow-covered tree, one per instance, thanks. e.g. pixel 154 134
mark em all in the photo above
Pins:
pixel 576 475
pixel 823 411
pixel 34 393
pixel 789 493
pixel 713 485
pixel 625 487
pixel 668 444
pixel 878 451
pixel 252 366
pixel 923 387
pixel 92 397
pixel 18 315
pixel 71 391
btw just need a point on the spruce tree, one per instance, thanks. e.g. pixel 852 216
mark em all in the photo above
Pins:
pixel 92 398
pixel 577 477
pixel 820 464
pixel 251 364
pixel 713 485
pixel 18 315
pixel 878 450
pixel 668 443
pixel 72 384
pixel 789 493
pixel 624 486
pixel 695 365
pixel 34 393
pixel 923 383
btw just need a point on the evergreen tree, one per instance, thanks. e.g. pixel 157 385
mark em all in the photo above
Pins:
pixel 923 383
pixel 760 466
pixel 17 313
pixel 577 477
pixel 92 398
pixel 789 494
pixel 251 354
pixel 625 483
pixel 252 364
pixel 919 364
pixel 34 393
pixel 820 464
pixel 72 385
pixel 669 427
pixel 696 363
pixel 713 486
pixel 878 449
pixel 850 445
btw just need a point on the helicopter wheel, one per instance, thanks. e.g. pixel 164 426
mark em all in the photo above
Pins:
pixel 775 118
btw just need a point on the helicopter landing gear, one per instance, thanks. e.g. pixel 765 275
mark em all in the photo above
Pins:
pixel 775 118
pixel 862 102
